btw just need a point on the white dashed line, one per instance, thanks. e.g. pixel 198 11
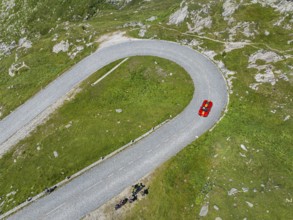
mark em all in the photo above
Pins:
pixel 58 207
pixel 121 168
pixel 166 140
pixel 130 162
pixel 150 150
pixel 92 186
pixel 110 175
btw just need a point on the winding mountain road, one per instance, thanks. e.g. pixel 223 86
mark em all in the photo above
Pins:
pixel 101 183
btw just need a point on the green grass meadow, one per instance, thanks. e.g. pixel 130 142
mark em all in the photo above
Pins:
pixel 147 89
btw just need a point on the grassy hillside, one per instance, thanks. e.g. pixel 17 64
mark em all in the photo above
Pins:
pixel 243 168
pixel 89 127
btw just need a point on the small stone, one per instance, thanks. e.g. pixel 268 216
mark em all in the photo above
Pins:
pixel 287 118
pixel 204 210
pixel 232 191
pixel 243 147
pixel 216 207
pixel 249 204
pixel 14 160
pixel 242 155
pixel 55 154
pixel 153 18
pixel 119 110
pixel 38 148
pixel 218 218
pixel 68 125
pixel 62 46
pixel 245 189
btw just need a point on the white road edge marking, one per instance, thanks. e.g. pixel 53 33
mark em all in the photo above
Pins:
pixel 58 207
pixel 108 73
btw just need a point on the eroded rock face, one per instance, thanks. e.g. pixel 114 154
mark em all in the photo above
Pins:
pixel 179 16
pixel 267 56
pixel 229 7
pixel 282 6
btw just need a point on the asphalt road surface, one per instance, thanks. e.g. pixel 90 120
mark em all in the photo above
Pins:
pixel 95 187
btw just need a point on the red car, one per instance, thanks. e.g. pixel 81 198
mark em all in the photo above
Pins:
pixel 205 108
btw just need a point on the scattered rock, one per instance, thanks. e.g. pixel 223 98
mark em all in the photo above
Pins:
pixel 55 37
pixel 267 56
pixel 6 48
pixel 232 191
pixel 55 154
pixel 23 42
pixel 199 22
pixel 153 18
pixel 283 6
pixel 218 218
pixel 287 118
pixel 142 32
pixel 11 194
pixel 254 86
pixel 216 208
pixel 62 46
pixel 38 148
pixel 72 54
pixel 229 46
pixel 204 210
pixel 16 68
pixel 243 147
pixel 68 125
pixel 245 189
pixel 243 28
pixel 267 77
pixel 249 204
pixel 242 155
pixel 229 7
pixel 119 110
